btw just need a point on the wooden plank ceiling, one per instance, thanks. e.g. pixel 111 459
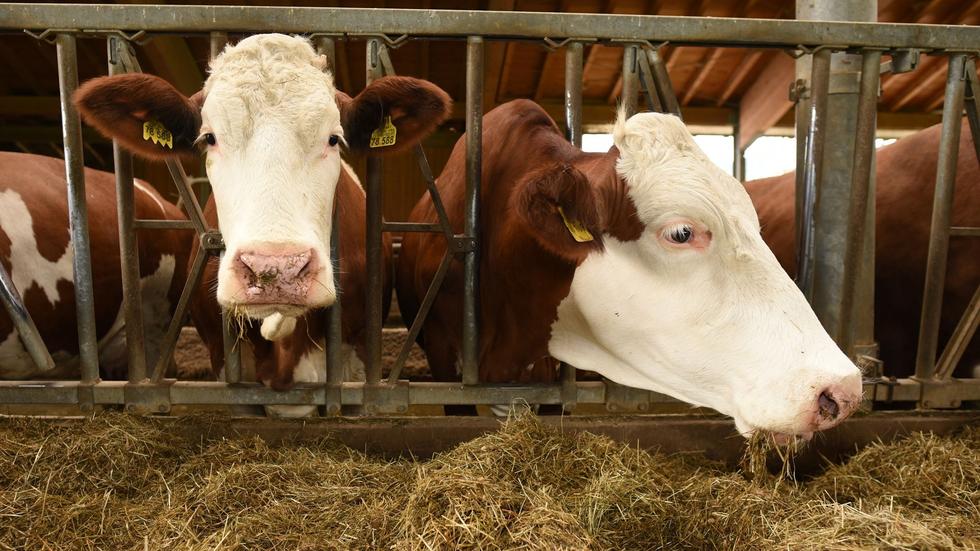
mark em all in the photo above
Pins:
pixel 710 82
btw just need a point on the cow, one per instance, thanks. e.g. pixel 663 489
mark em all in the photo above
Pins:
pixel 644 264
pixel 37 251
pixel 905 176
pixel 271 126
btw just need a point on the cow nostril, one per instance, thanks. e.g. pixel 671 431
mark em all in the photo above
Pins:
pixel 306 267
pixel 828 406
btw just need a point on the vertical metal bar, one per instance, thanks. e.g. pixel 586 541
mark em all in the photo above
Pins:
pixel 335 371
pixel 23 323
pixel 218 42
pixel 71 131
pixel 648 85
pixel 854 245
pixel 631 80
pixel 375 274
pixel 229 342
pixel 820 81
pixel 573 92
pixel 128 244
pixel 738 154
pixel 665 87
pixel 942 208
pixel 474 174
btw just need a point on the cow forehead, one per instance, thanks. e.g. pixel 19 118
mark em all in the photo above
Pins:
pixel 667 174
pixel 265 78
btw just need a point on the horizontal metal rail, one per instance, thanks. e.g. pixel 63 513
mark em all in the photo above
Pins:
pixel 421 393
pixel 720 31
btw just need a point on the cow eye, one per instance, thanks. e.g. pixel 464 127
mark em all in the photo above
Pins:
pixel 210 139
pixel 680 234
pixel 334 140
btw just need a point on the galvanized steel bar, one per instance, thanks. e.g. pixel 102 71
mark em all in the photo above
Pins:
pixel 231 348
pixel 631 80
pixel 423 312
pixel 23 324
pixel 217 43
pixel 972 101
pixel 573 92
pixel 942 208
pixel 960 339
pixel 717 31
pixel 71 128
pixel 812 174
pixel 128 243
pixel 334 315
pixel 153 224
pixel 375 270
pixel 854 243
pixel 474 173
pixel 661 78
pixel 648 86
pixel 173 330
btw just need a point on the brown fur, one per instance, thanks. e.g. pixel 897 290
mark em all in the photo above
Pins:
pixel 40 181
pixel 117 107
pixel 522 278
pixel 906 179
pixel 416 108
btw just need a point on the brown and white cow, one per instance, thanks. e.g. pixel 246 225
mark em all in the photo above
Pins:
pixel 644 264
pixel 271 125
pixel 37 251
pixel 905 182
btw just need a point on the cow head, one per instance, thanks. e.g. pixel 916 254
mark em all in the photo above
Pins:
pixel 675 291
pixel 271 125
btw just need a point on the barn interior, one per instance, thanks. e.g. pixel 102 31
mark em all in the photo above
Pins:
pixel 728 91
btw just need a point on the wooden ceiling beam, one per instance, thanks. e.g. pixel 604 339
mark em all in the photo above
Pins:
pixel 749 62
pixel 712 60
pixel 496 60
pixel 767 100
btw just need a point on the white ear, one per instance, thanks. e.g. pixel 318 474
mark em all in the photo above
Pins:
pixel 277 326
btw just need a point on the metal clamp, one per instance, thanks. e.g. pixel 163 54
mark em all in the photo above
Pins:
pixel 799 90
pixel 553 45
pixel 148 398
pixel 462 244
pixel 48 35
pixel 212 241
pixel 620 398
pixel 386 398
pixel 902 61
pixel 393 43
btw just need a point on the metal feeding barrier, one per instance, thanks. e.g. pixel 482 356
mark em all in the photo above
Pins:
pixel 644 74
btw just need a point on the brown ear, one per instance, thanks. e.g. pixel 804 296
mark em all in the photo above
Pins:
pixel 119 106
pixel 416 108
pixel 559 207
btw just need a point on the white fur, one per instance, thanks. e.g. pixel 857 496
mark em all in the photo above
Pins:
pixel 312 368
pixel 723 327
pixel 272 109
pixel 28 267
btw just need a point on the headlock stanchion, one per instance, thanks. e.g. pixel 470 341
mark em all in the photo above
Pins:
pixel 645 73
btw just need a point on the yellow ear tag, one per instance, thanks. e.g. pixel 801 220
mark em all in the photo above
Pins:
pixel 384 136
pixel 155 131
pixel 578 231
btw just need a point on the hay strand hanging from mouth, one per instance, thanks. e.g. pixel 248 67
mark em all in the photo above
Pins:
pixel 121 482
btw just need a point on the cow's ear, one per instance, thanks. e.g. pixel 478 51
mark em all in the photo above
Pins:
pixel 145 113
pixel 560 209
pixel 392 114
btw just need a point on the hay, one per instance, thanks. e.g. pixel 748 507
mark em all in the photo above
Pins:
pixel 119 482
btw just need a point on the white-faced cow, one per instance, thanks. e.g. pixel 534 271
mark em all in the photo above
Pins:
pixel 644 264
pixel 905 183
pixel 37 250
pixel 272 125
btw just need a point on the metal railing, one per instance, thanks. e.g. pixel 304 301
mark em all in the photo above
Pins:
pixel 644 73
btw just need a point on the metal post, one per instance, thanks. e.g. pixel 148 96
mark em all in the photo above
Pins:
pixel 334 369
pixel 665 88
pixel 854 242
pixel 23 323
pixel 631 80
pixel 813 168
pixel 128 244
pixel 218 42
pixel 375 273
pixel 942 209
pixel 738 154
pixel 71 131
pixel 573 92
pixel 831 210
pixel 474 173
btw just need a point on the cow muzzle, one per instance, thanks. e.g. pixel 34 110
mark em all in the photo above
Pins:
pixel 282 278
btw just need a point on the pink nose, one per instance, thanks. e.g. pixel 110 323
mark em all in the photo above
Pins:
pixel 278 275
pixel 834 405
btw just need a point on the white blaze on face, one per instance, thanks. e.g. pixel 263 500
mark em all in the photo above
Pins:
pixel 698 307
pixel 274 168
